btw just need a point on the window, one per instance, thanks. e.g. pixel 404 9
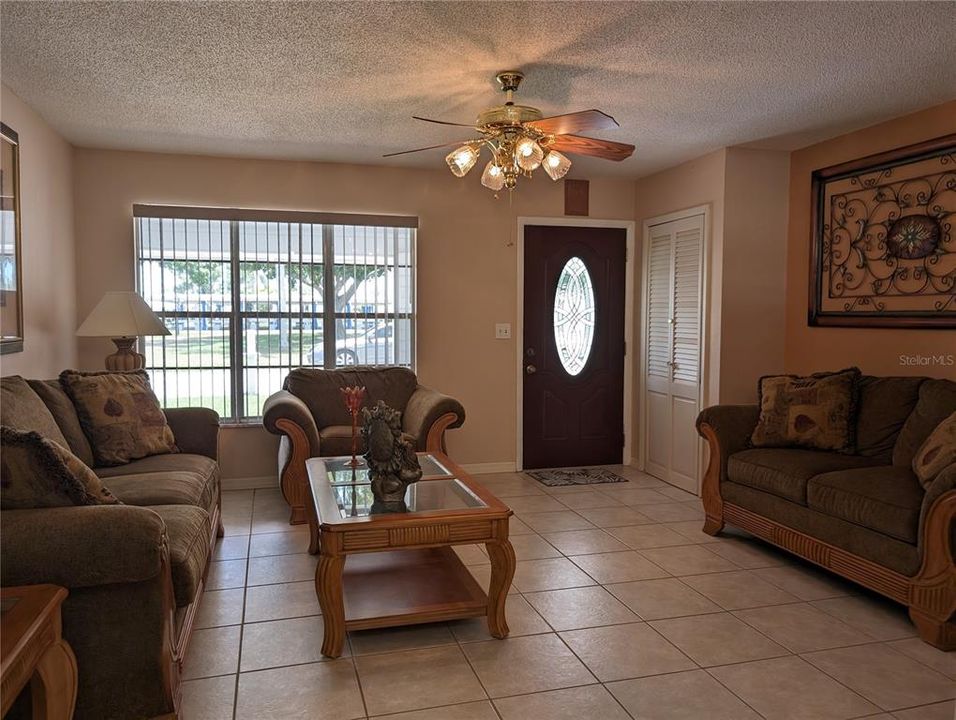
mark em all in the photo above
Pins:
pixel 249 295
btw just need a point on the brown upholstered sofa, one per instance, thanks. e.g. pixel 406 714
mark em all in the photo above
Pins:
pixel 864 516
pixel 310 415
pixel 135 572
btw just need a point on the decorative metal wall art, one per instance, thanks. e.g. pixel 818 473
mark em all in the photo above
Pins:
pixel 883 251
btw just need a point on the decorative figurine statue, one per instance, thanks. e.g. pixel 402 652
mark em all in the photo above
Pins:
pixel 392 462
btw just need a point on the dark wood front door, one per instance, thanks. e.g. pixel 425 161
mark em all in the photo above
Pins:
pixel 573 361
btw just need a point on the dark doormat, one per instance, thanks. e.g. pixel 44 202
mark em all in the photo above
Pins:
pixel 575 476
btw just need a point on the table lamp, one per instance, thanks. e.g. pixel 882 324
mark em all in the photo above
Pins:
pixel 122 316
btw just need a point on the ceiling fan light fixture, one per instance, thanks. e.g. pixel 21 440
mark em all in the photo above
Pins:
pixel 461 160
pixel 528 154
pixel 493 177
pixel 556 165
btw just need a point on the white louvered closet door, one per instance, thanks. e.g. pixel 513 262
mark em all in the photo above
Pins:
pixel 673 350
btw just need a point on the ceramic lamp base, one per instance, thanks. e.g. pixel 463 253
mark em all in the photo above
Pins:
pixel 125 358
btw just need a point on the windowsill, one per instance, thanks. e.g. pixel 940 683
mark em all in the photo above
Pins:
pixel 238 424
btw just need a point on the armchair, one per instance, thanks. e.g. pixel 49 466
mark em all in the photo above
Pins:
pixel 311 418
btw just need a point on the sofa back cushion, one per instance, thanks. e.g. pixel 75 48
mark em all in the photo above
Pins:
pixel 883 406
pixel 937 401
pixel 320 390
pixel 36 472
pixel 22 409
pixel 60 405
pixel 120 415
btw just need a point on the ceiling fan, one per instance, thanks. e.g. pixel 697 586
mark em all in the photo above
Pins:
pixel 521 139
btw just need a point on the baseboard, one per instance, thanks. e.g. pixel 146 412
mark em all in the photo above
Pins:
pixel 250 483
pixel 488 468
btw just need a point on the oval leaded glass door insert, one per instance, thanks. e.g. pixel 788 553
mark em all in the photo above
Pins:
pixel 574 316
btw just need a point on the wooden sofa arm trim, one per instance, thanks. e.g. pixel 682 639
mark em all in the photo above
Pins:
pixel 934 588
pixel 294 480
pixel 710 487
pixel 435 441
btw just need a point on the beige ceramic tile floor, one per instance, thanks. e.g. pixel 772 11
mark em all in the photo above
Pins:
pixel 621 608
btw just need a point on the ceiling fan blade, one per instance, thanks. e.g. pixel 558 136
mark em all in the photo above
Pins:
pixel 583 121
pixel 440 122
pixel 605 149
pixel 430 147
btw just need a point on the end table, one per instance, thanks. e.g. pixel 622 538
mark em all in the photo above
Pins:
pixel 32 649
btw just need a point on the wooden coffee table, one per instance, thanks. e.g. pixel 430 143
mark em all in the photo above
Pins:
pixel 401 567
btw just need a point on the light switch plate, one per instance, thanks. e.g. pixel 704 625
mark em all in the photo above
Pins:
pixel 503 331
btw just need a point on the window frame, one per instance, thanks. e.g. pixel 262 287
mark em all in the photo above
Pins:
pixel 236 317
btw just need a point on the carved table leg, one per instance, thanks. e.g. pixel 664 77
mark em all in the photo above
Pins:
pixel 502 571
pixel 328 587
pixel 53 687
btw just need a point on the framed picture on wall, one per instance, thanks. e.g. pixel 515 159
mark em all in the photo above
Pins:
pixel 883 251
pixel 11 275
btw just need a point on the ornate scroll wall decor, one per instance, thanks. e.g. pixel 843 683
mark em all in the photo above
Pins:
pixel 883 252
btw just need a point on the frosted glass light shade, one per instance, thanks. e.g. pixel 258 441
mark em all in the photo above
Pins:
pixel 493 177
pixel 528 154
pixel 556 165
pixel 461 160
pixel 121 314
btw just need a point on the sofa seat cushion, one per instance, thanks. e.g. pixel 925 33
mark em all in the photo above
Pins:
pixel 167 488
pixel 882 549
pixel 784 472
pixel 188 532
pixel 178 462
pixel 886 499
pixel 336 440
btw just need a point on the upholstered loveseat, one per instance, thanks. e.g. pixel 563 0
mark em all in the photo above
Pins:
pixel 310 415
pixel 135 571
pixel 865 515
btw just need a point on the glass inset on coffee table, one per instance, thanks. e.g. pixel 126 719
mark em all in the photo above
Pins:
pixel 401 567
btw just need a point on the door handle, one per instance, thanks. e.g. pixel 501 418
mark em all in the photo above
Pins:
pixel 530 369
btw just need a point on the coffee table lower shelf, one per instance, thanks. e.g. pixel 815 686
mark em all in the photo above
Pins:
pixel 407 587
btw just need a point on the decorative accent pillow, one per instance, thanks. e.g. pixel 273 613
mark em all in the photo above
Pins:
pixel 937 451
pixel 37 472
pixel 120 415
pixel 817 412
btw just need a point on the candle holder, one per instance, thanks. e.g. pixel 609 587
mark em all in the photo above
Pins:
pixel 354 397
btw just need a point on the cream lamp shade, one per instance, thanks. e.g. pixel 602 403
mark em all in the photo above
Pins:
pixel 122 316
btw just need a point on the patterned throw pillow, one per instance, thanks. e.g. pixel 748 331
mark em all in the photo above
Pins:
pixel 120 415
pixel 937 451
pixel 37 472
pixel 817 412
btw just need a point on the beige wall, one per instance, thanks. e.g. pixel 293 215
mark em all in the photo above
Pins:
pixel 875 351
pixel 466 263
pixel 754 270
pixel 46 204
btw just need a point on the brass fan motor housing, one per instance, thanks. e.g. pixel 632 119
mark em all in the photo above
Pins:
pixel 506 115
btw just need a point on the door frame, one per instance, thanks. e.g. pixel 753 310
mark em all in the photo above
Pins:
pixel 705 325
pixel 629 227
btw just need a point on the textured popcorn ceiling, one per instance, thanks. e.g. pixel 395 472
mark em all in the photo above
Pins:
pixel 339 81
